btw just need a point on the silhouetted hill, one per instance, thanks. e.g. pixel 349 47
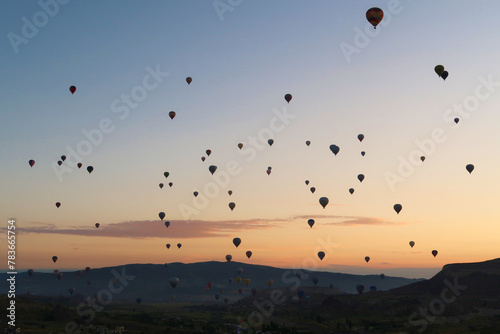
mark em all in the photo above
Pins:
pixel 150 282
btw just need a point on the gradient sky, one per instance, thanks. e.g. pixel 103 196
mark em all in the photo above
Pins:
pixel 243 61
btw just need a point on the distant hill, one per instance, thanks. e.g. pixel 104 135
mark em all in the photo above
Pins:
pixel 150 282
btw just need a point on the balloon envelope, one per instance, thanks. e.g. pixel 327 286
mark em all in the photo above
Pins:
pixel 171 114
pixel 470 168
pixel 90 169
pixel 434 253
pixel 208 152
pixel 361 137
pixel 240 146
pixel 166 174
pixel 397 208
pixel 444 75
pixel 168 246
pixel 79 165
pixel 161 185
pixel 361 177
pixel 412 243
pixel 249 254
pixel 367 259
pixel 31 162
pixel 54 258
pixel 374 16
pixel 351 190
pixel 167 224
pixel 270 142
pixel 161 215
pixel 232 206
pixel 321 255
pixel 72 89
pixel 189 80
pixel 174 281
pixel 236 242
pixel 335 149
pixel 212 169
pixel 228 257
pixel 58 204
pixel 308 142
pixel 179 245
pixel 97 225
pixel 439 69
pixel 313 189
pixel 456 120
pixel 288 98
pixel 310 222
pixel 323 201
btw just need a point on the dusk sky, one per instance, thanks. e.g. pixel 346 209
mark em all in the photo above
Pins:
pixel 129 61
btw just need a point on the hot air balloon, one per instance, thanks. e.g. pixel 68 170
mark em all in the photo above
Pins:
pixel 97 225
pixel 212 169
pixel 90 169
pixel 161 215
pixel 456 120
pixel 54 258
pixel 315 280
pixel 288 98
pixel 360 288
pixel 246 281
pixel 444 75
pixel 79 273
pixel 239 271
pixel 72 89
pixel 232 206
pixel 171 114
pixel 170 184
pixel 268 172
pixel 270 142
pixel 470 168
pixel 312 190
pixel 161 185
pixel 188 80
pixel 351 190
pixel 79 165
pixel 236 242
pixel 367 259
pixel 228 258
pixel 56 272
pixel 323 201
pixel 166 174
pixel 374 16
pixel 168 246
pixel 439 69
pixel 335 149
pixel 173 281
pixel 63 157
pixel 422 158
pixel 87 269
pixel 269 282
pixel 240 146
pixel 167 224
pixel 310 222
pixel 208 152
pixel 321 255
pixel 230 192
pixel 59 276
pixel 308 142
pixel 58 204
pixel 361 177
pixel 382 276
pixel 363 153
pixel 30 272
pixel 202 158
pixel 434 253
pixel 31 162
pixel 59 162
pixel 361 137
pixel 307 182
pixel 179 245
pixel 397 208
pixel 249 254
pixel 412 243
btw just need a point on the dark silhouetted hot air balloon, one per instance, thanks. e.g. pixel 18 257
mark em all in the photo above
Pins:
pixel 167 224
pixel 434 253
pixel 59 162
pixel 444 75
pixel 249 254
pixel 195 194
pixel 161 185
pixel 63 157
pixel 179 245
pixel 171 114
pixel 470 168
pixel 54 258
pixel 270 142
pixel 161 215
pixel 367 259
pixel 212 169
pixel 361 177
pixel 30 272
pixel 397 208
pixel 97 225
pixel 422 158
pixel 228 257
pixel 189 80
pixel 315 280
pixel 456 120
pixel 312 190
pixel 32 163
pixel 90 169
pixel 240 146
pixel 310 222
pixel 323 201
pixel 412 243
pixel 361 137
pixel 58 204
pixel 236 242
pixel 308 142
pixel 321 255
pixel 79 165
pixel 363 153
pixel 288 98
pixel 208 152
pixel 72 89
pixel 307 182
pixel 166 174
pixel 170 184
pixel 232 206
pixel 168 246
pixel 360 288
pixel 174 281
pixel 203 158
pixel 335 149
pixel 374 16
pixel 230 192
pixel 439 69
pixel 351 190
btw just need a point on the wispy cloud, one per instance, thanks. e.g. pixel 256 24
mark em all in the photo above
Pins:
pixel 348 220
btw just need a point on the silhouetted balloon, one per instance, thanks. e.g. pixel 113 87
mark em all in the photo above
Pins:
pixel 444 75
pixel 239 271
pixel 412 243
pixel 59 162
pixel 307 182
pixel 382 276
pixel 72 89
pixel 166 174
pixel 189 80
pixel 30 272
pixel 361 137
pixel 79 165
pixel 456 120
pixel 310 222
pixel 351 190
pixel 439 69
pixel 308 142
pixel 313 189
pixel 161 215
pixel 374 16
pixel 422 158
pixel 249 254
pixel 270 142
pixel 363 153
pixel 230 192
pixel 335 149
pixel 90 169
pixel 170 184
pixel 87 269
pixel 470 168
pixel 203 158
pixel 161 185
pixel 367 259
pixel 171 114
pixel 179 245
pixel 236 242
pixel 315 280
pixel 434 253
pixel 167 224
pixel 240 146
pixel 288 98
pixel 208 152
pixel 168 246
pixel 232 206
pixel 323 201
pixel 63 157
pixel 97 225
pixel 361 177
pixel 228 257
pixel 54 258
pixel 321 255
pixel 360 288
pixel 58 204
pixel 174 281
pixel 397 208
pixel 195 194
pixel 268 172
pixel 31 162
pixel 212 169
